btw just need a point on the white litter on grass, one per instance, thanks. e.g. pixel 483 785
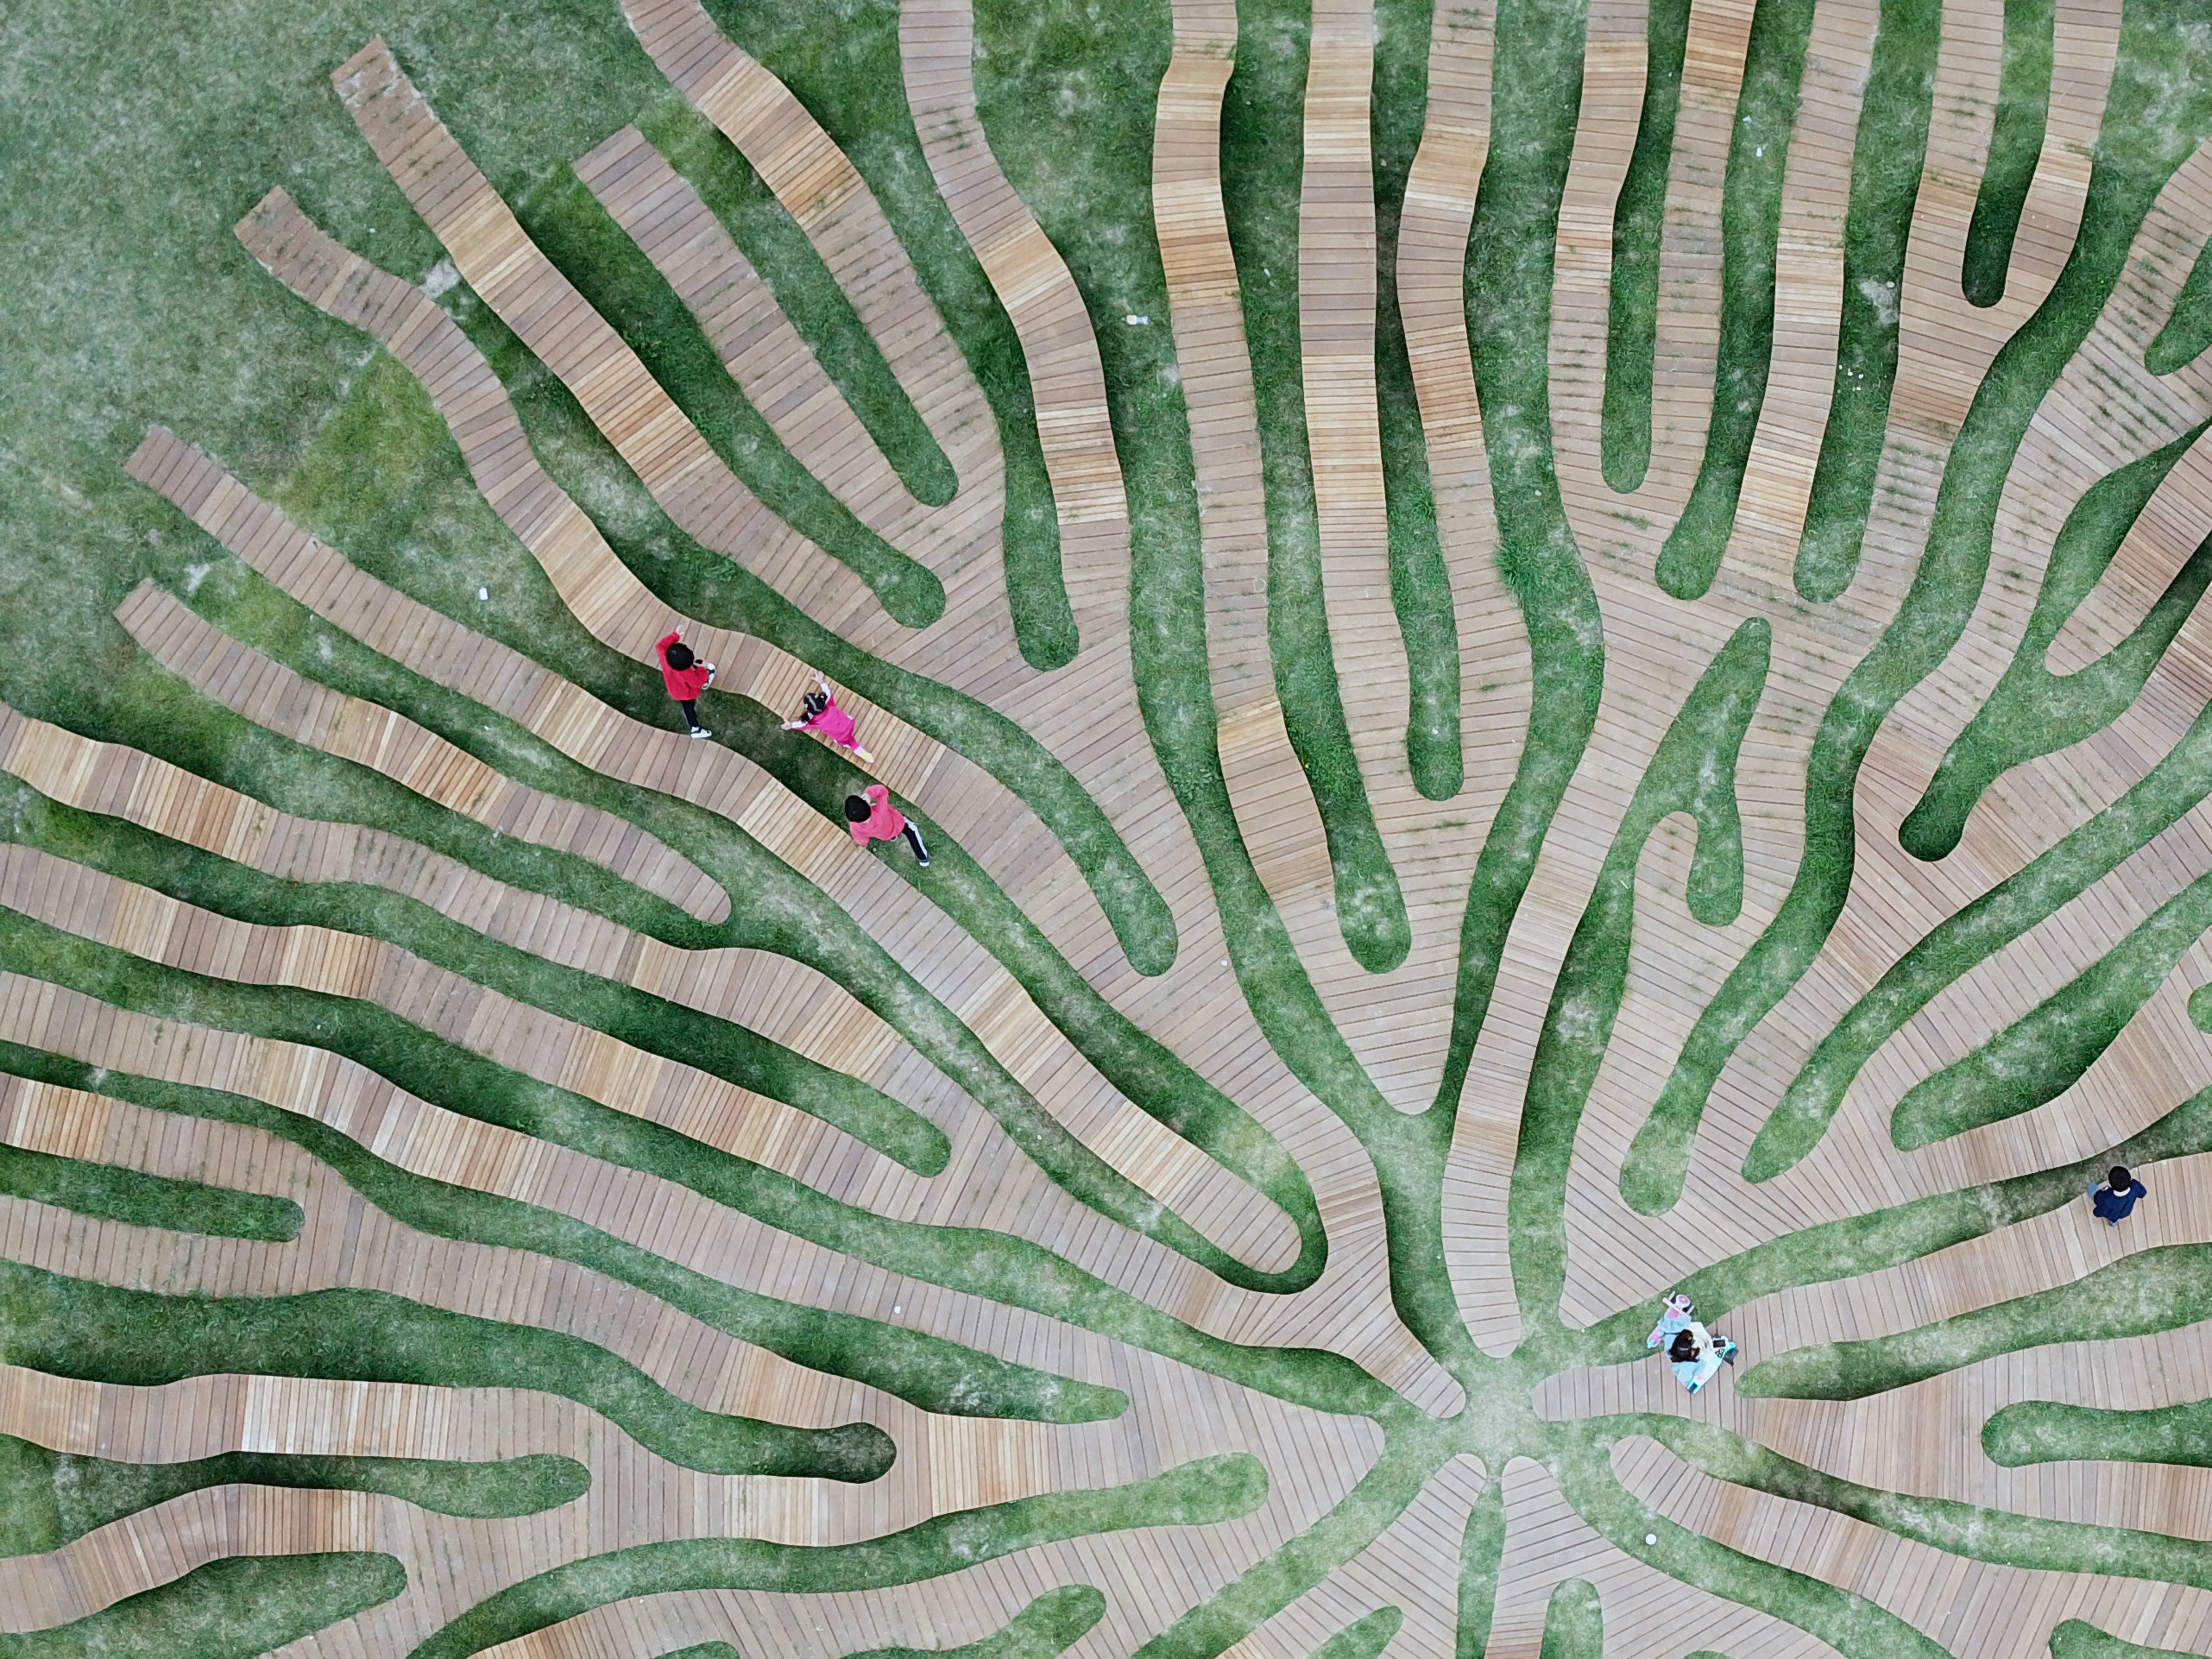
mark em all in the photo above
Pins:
pixel 483 593
pixel 1651 1537
pixel 439 278
pixel 1138 320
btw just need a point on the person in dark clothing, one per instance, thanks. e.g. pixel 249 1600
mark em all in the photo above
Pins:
pixel 2117 1196
pixel 685 676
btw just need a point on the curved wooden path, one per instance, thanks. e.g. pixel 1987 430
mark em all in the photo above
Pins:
pixel 1921 1440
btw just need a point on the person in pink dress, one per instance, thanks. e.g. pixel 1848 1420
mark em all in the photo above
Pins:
pixel 871 816
pixel 819 712
pixel 685 676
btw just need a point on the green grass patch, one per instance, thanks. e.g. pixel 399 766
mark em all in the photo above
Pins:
pixel 585 244
pixel 1639 219
pixel 975 1260
pixel 1420 587
pixel 2044 1431
pixel 928 1372
pixel 2033 711
pixel 1364 1639
pixel 140 1200
pixel 2044 1053
pixel 1694 772
pixel 233 1608
pixel 141 1339
pixel 2160 105
pixel 1750 226
pixel 699 583
pixel 47 1497
pixel 1263 165
pixel 1574 1623
pixel 808 294
pixel 1481 1547
pixel 1193 1494
pixel 2074 1638
pixel 1902 1232
pixel 2015 147
pixel 1052 1624
pixel 1272 1584
pixel 1851 1623
pixel 1953 946
pixel 2188 329
pixel 2161 1288
pixel 1891 149
pixel 843 64
pixel 1968 1529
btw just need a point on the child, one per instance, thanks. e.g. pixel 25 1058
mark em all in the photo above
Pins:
pixel 2117 1197
pixel 1695 1352
pixel 818 712
pixel 875 818
pixel 685 675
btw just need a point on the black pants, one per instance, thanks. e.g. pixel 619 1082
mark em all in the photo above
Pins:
pixel 691 707
pixel 913 840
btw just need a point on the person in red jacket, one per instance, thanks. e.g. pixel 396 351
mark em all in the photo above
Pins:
pixel 818 712
pixel 874 818
pixel 685 675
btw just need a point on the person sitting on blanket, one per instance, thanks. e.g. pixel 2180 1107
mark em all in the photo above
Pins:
pixel 1695 1352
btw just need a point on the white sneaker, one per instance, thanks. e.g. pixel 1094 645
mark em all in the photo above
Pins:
pixel 699 731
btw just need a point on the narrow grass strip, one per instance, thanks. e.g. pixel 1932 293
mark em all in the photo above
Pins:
pixel 794 918
pixel 1364 1639
pixel 1999 1537
pixel 1903 1233
pixel 1090 188
pixel 1481 1549
pixel 2188 329
pixel 2044 1053
pixel 697 583
pixel 233 1608
pixel 2033 711
pixel 1854 1626
pixel 1574 1623
pixel 1639 220
pixel 719 1047
pixel 1263 164
pixel 1891 149
pixel 2044 1431
pixel 140 1339
pixel 2015 147
pixel 2074 1638
pixel 2160 1288
pixel 2135 157
pixel 1536 100
pixel 141 1200
pixel 1051 1624
pixel 1269 1585
pixel 1692 771
pixel 844 65
pixel 1956 945
pixel 1421 586
pixel 778 248
pixel 256 610
pixel 1750 222
pixel 1199 1493
pixel 47 1497
pixel 975 1260
pixel 586 247
pixel 931 1373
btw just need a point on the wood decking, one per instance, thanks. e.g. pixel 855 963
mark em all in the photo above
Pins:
pixel 1920 1441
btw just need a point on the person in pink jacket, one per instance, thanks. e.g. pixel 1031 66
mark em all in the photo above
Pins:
pixel 871 816
pixel 818 712
pixel 685 676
